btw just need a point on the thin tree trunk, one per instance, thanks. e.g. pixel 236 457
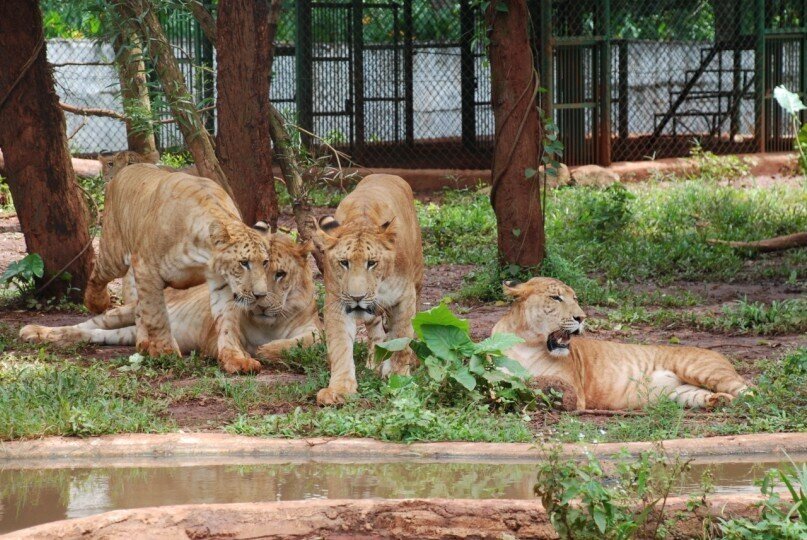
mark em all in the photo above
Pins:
pixel 134 91
pixel 515 198
pixel 200 144
pixel 205 20
pixel 50 206
pixel 243 138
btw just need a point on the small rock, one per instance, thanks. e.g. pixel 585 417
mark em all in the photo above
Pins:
pixel 594 175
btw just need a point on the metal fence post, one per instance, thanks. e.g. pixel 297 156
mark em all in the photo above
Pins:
pixel 467 79
pixel 358 74
pixel 760 68
pixel 303 53
pixel 624 99
pixel 208 77
pixel 547 58
pixel 604 85
pixel 409 61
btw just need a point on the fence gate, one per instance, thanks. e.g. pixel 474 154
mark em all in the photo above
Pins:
pixel 576 71
pixel 337 45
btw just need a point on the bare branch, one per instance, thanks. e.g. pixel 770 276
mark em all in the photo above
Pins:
pixel 205 20
pixel 81 111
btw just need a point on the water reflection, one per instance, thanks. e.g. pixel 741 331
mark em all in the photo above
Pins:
pixel 33 496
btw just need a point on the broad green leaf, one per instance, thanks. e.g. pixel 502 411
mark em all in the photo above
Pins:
pixel 438 316
pixel 445 341
pixel 511 365
pixel 385 350
pixel 599 518
pixel 788 100
pixel 464 377
pixel 477 364
pixel 529 172
pixel 436 368
pixel 398 381
pixel 497 343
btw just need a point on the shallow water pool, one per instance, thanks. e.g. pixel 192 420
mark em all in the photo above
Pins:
pixel 41 492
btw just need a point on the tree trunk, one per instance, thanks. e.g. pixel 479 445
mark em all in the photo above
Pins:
pixel 516 199
pixel 200 144
pixel 205 20
pixel 50 206
pixel 136 102
pixel 243 138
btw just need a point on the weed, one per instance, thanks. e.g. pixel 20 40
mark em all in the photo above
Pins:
pixel 586 500
pixel 744 317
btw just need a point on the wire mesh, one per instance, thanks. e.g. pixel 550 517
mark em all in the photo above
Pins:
pixel 406 83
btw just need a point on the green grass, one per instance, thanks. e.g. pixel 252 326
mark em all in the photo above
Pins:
pixel 645 232
pixel 61 398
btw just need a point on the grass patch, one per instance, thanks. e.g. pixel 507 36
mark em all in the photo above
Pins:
pixel 744 317
pixel 61 398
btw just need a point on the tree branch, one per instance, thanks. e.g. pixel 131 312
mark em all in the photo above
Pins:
pixel 779 243
pixel 81 111
pixel 205 20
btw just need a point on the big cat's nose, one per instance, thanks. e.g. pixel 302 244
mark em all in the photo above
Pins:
pixel 259 295
pixel 358 298
pixel 579 318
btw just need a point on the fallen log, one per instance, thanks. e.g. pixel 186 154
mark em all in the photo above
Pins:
pixel 779 243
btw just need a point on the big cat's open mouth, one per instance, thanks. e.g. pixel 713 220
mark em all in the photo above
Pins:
pixel 558 341
pixel 370 309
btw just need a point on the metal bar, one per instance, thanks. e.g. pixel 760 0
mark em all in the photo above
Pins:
pixel 467 78
pixel 304 69
pixel 397 72
pixel 690 84
pixel 547 58
pixel 409 92
pixel 604 124
pixel 736 82
pixel 760 67
pixel 803 57
pixel 624 100
pixel 358 74
pixel 579 106
pixel 208 79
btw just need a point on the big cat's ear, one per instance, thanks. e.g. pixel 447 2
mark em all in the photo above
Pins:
pixel 327 223
pixel 262 227
pixel 513 288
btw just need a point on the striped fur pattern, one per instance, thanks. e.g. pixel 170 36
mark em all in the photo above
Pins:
pixel 605 374
pixel 286 316
pixel 373 275
pixel 178 230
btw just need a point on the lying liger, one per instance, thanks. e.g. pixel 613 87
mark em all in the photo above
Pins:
pixel 287 315
pixel 604 374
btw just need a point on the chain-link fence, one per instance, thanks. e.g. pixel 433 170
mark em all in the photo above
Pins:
pixel 405 83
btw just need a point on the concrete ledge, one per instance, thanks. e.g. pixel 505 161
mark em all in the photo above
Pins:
pixel 220 445
pixel 403 519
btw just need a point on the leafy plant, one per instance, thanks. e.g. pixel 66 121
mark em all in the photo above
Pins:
pixel 458 369
pixel 779 520
pixel 585 500
pixel 24 273
pixel 793 105
pixel 608 213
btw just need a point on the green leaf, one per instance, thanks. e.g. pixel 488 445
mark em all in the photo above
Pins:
pixel 501 7
pixel 464 377
pixel 477 364
pixel 529 172
pixel 446 341
pixel 512 366
pixel 788 100
pixel 438 316
pixel 497 343
pixel 398 381
pixel 385 350
pixel 516 232
pixel 436 368
pixel 599 518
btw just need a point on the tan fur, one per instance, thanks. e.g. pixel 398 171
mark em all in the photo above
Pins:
pixel 112 164
pixel 605 374
pixel 286 316
pixel 178 230
pixel 377 224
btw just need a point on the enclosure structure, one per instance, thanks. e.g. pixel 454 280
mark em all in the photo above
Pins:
pixel 406 83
